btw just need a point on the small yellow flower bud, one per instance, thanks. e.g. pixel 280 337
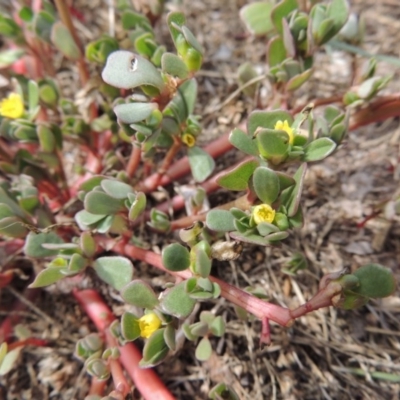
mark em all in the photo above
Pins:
pixel 12 106
pixel 148 324
pixel 263 213
pixel 189 139
pixel 284 126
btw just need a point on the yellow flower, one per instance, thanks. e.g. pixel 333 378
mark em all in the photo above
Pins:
pixel 263 213
pixel 284 126
pixel 188 139
pixel 148 324
pixel 12 106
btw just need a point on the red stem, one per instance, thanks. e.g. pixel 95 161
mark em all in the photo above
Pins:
pixel 252 304
pixel 134 160
pixel 146 380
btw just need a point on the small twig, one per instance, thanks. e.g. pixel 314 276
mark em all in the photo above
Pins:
pixel 30 305
pixel 65 15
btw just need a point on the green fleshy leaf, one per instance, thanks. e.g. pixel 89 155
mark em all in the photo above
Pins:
pixel 201 163
pixel 251 238
pixel 138 293
pixel 176 301
pixel 319 149
pixel 91 183
pixel 48 276
pixel 116 271
pixel 63 40
pixel 257 17
pixel 137 206
pixel 173 65
pixel 285 180
pixel 238 177
pixel 266 119
pixel 46 138
pixel 273 145
pixel 33 244
pixel 116 189
pixel 266 184
pixel 12 227
pixel 85 219
pixel 203 350
pixel 217 326
pixel 375 281
pixel 154 350
pixel 282 10
pixel 131 113
pixel 291 196
pixel 276 52
pixel 264 228
pixel 246 72
pixel 87 244
pixel 126 70
pixel 101 203
pixel 169 337
pixel 243 142
pixel 182 104
pixel 202 262
pixel 130 328
pixel 175 257
pixel 43 23
pixel 296 81
pixel 220 220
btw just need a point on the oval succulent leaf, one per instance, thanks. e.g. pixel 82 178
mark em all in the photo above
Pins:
pixel 220 221
pixel 238 177
pixel 101 203
pixel 201 163
pixel 126 70
pixel 257 17
pixel 139 294
pixel 175 257
pixel 176 301
pixel 116 189
pixel 130 113
pixel 319 149
pixel 116 271
pixel 266 184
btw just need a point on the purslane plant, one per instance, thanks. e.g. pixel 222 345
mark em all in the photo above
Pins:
pixel 149 98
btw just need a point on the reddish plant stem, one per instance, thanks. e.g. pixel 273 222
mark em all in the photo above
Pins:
pixel 146 380
pixel 28 342
pixel 379 110
pixel 250 303
pixel 120 382
pixel 168 159
pixel 97 387
pixel 134 160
